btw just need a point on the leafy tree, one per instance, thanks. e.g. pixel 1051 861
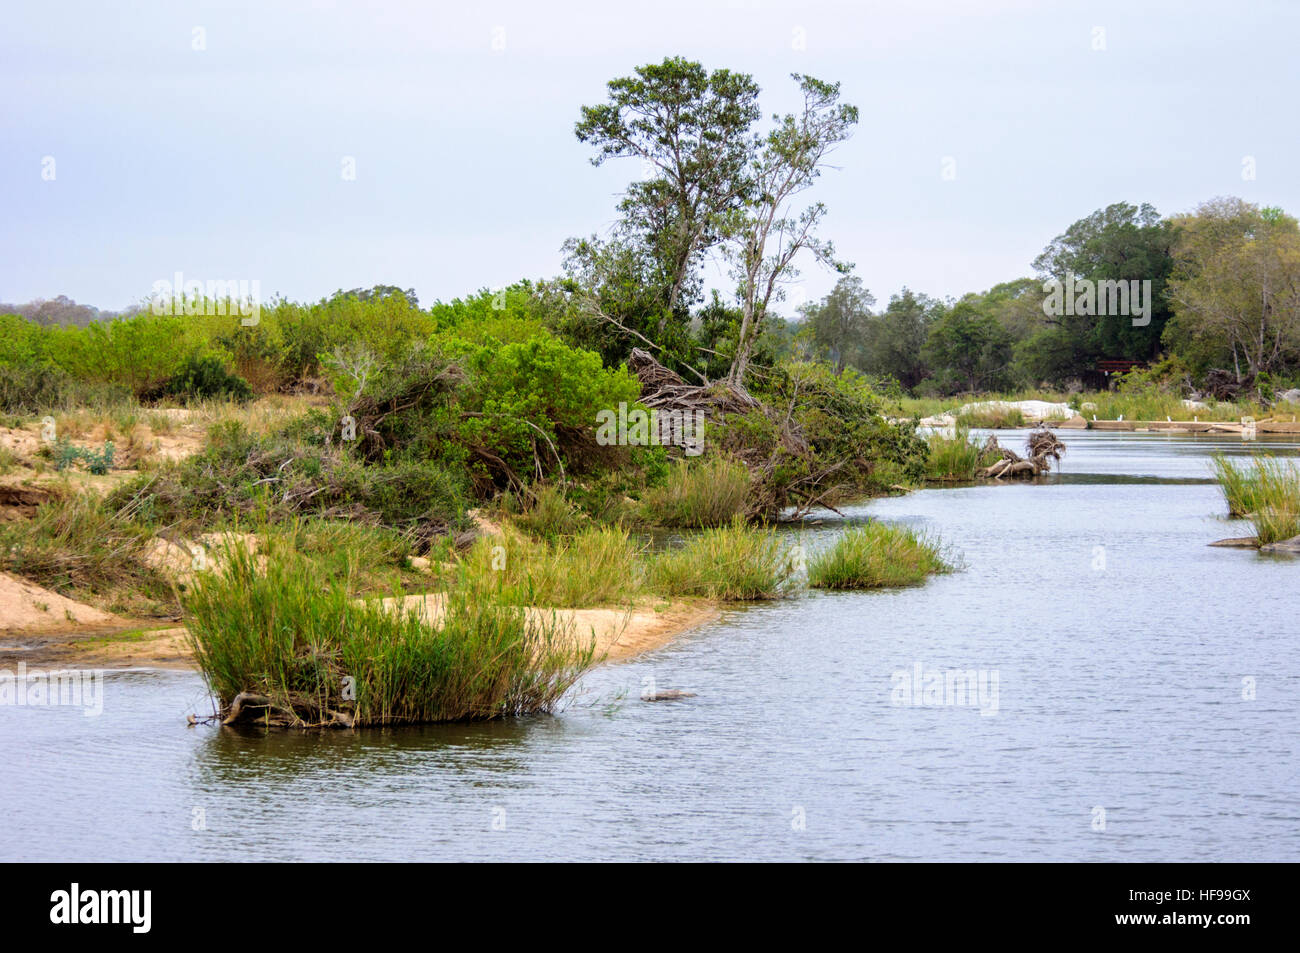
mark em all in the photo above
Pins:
pixel 896 338
pixel 766 235
pixel 840 321
pixel 690 127
pixel 1236 288
pixel 1120 242
pixel 969 349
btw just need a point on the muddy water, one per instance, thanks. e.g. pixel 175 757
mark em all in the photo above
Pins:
pixel 1143 683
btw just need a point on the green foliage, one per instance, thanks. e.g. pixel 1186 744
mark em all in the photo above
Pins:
pixel 840 323
pixel 874 556
pixel 285 630
pixel 507 413
pixel 97 462
pixel 140 352
pixel 709 491
pixel 822 438
pixel 969 349
pixel 1120 242
pixel 293 471
pixel 731 563
pixel 206 376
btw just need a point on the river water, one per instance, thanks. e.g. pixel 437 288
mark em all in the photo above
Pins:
pixel 1146 690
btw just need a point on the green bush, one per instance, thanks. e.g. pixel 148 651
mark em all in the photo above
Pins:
pixel 206 376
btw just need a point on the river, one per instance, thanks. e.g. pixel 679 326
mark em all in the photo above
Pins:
pixel 1147 689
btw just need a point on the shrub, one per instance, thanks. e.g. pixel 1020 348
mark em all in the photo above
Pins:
pixel 206 377
pixel 876 555
pixel 293 471
pixel 821 437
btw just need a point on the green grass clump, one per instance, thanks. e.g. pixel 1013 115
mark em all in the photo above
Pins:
pixel 595 567
pixel 1267 493
pixel 88 549
pixel 955 458
pixel 875 556
pixel 699 493
pixel 992 417
pixel 735 562
pixel 281 628
pixel 550 516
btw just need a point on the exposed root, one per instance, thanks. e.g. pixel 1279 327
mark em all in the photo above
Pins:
pixel 1043 446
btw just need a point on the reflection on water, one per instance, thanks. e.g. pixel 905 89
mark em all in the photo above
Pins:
pixel 1122 644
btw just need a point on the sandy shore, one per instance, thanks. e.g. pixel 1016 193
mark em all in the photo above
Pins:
pixel 47 639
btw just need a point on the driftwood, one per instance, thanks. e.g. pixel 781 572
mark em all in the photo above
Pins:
pixel 250 707
pixel 664 389
pixel 1043 446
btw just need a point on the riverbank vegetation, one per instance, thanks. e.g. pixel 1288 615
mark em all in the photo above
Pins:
pixel 877 555
pixel 1266 491
pixel 281 642
pixel 373 436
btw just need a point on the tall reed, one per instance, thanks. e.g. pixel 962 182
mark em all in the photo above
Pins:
pixel 704 492
pixel 279 628
pixel 1267 493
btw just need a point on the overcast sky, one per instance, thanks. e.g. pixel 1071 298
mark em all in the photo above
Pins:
pixel 226 162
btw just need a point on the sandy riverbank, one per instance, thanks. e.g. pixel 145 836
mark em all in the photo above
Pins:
pixel 48 639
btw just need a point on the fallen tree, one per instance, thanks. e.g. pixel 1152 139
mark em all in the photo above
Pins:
pixel 1043 446
pixel 809 438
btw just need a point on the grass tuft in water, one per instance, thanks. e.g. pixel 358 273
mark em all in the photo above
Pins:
pixel 281 628
pixel 875 556
pixel 1267 493
pixel 735 562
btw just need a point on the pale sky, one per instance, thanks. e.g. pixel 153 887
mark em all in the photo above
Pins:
pixel 226 162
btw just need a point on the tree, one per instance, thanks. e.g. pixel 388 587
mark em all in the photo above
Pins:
pixel 691 129
pixel 765 236
pixel 896 338
pixel 968 348
pixel 840 321
pixel 1237 284
pixel 1121 242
